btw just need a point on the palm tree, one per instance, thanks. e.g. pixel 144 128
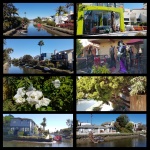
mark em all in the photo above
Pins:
pixel 69 5
pixel 41 43
pixel 44 123
pixel 25 14
pixel 61 10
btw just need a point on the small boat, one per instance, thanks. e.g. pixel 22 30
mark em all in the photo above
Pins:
pixel 57 138
pixel 23 32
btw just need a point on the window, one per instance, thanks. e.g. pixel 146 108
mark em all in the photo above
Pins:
pixel 14 121
pixel 139 19
pixel 126 19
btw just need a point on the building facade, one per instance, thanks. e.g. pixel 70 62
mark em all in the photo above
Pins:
pixel 65 56
pixel 23 124
pixel 45 56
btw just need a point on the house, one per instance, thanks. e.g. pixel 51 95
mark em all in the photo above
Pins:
pixel 96 129
pixel 23 124
pixel 85 128
pixel 135 125
pixel 45 56
pixel 99 14
pixel 65 56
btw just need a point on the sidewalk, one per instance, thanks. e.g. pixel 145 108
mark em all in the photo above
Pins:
pixel 126 33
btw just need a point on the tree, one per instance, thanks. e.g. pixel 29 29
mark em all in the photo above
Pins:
pixel 60 10
pixel 44 123
pixel 123 120
pixel 25 14
pixel 129 126
pixel 6 52
pixel 27 58
pixel 79 47
pixel 41 43
pixel 104 88
pixel 69 5
pixel 69 123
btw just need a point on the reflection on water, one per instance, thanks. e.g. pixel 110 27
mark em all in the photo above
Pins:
pixel 126 142
pixel 82 105
pixel 34 31
pixel 23 70
pixel 66 143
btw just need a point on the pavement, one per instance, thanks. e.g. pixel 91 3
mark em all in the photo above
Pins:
pixel 126 33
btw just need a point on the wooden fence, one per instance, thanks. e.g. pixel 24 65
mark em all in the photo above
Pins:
pixel 134 103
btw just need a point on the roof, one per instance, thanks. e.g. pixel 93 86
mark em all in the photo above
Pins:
pixel 24 119
pixel 68 51
pixel 91 127
pixel 133 41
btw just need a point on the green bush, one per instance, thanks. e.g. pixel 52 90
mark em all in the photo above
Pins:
pixel 100 70
pixel 51 65
pixel 51 23
pixel 61 98
pixel 20 133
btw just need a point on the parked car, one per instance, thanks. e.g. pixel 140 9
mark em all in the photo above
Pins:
pixel 101 29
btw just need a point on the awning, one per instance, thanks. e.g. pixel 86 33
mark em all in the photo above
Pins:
pixel 135 41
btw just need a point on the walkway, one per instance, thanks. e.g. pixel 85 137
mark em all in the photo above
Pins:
pixel 126 33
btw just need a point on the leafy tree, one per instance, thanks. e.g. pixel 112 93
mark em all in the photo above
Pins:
pixel 105 88
pixel 6 52
pixel 69 123
pixel 79 47
pixel 129 126
pixel 123 120
pixel 41 43
pixel 117 126
pixel 27 58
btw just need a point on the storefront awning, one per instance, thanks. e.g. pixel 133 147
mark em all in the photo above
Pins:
pixel 135 41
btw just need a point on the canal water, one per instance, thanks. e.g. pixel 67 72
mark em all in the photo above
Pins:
pixel 126 142
pixel 34 31
pixel 66 143
pixel 22 70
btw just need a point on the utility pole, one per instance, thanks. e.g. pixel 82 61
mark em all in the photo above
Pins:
pixel 91 118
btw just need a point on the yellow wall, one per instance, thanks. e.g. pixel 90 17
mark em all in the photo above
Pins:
pixel 104 47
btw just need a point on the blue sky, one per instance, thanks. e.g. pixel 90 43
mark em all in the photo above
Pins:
pixel 34 10
pixel 53 121
pixel 133 5
pixel 98 119
pixel 22 47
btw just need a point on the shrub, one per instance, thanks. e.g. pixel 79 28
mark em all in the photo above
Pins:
pixel 51 65
pixel 100 70
pixel 140 34
pixel 20 133
pixel 51 23
pixel 61 98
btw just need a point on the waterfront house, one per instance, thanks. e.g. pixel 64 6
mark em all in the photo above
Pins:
pixel 85 128
pixel 23 124
pixel 65 56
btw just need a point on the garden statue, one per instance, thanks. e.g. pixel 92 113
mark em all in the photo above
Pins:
pixel 122 56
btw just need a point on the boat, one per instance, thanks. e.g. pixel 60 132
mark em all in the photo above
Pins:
pixel 57 138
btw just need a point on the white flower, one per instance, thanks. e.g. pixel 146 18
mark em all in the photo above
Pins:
pixel 20 100
pixel 38 105
pixel 45 101
pixel 32 101
pixel 34 94
pixel 21 92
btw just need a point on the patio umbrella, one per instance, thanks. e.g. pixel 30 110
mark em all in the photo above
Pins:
pixel 135 41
